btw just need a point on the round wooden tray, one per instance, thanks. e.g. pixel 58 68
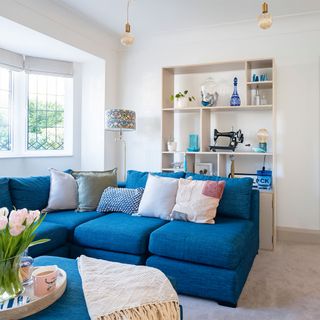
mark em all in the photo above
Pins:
pixel 28 304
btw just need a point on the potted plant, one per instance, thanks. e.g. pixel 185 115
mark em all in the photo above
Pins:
pixel 182 99
pixel 17 232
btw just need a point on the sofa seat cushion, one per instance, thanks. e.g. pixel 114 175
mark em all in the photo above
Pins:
pixel 118 232
pixel 222 244
pixel 71 219
pixel 57 235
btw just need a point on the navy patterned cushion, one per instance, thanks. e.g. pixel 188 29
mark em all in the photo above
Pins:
pixel 120 200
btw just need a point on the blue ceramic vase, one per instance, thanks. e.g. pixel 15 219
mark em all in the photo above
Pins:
pixel 235 99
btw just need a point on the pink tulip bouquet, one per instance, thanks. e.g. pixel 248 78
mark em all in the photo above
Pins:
pixel 17 233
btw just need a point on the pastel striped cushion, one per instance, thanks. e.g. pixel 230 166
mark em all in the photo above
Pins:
pixel 120 200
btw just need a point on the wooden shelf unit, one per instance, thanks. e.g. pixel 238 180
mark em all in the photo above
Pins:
pixel 203 120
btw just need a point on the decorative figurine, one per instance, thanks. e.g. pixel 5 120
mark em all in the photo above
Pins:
pixel 235 99
pixel 209 95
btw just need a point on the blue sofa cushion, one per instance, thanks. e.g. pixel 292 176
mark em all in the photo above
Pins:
pixel 222 244
pixel 76 251
pixel 236 199
pixel 31 193
pixel 57 235
pixel 71 219
pixel 5 198
pixel 138 179
pixel 117 232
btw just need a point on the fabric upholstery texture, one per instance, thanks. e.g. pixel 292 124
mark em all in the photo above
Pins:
pixel 63 193
pixel 5 198
pixel 76 251
pixel 57 235
pixel 138 179
pixel 31 193
pixel 117 232
pixel 71 219
pixel 120 200
pixel 159 197
pixel 72 303
pixel 197 201
pixel 91 185
pixel 236 199
pixel 203 281
pixel 222 244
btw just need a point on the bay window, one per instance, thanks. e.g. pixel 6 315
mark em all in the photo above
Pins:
pixel 36 107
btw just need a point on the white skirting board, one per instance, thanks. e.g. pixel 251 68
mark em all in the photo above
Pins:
pixel 298 235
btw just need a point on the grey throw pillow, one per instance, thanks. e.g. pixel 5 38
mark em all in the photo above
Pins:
pixel 63 192
pixel 91 185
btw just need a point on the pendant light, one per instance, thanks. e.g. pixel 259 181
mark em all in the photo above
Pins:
pixel 127 38
pixel 265 19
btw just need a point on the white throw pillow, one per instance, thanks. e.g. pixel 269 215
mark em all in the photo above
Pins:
pixel 63 192
pixel 197 201
pixel 159 197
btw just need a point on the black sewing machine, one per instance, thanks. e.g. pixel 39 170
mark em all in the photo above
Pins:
pixel 235 137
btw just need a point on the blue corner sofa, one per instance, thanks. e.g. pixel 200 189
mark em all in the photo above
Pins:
pixel 208 261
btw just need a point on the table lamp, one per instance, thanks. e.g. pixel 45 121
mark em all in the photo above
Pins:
pixel 121 120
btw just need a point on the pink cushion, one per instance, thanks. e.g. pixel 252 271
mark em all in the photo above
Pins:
pixel 213 189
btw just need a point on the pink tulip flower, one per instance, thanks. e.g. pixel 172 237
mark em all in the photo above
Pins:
pixel 3 222
pixel 35 214
pixel 17 217
pixel 4 212
pixel 16 230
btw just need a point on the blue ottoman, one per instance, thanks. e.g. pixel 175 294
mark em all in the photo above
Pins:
pixel 72 304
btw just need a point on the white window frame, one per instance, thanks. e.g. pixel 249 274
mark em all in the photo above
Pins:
pixel 8 153
pixel 19 121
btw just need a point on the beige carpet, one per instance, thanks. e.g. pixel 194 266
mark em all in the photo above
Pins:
pixel 282 285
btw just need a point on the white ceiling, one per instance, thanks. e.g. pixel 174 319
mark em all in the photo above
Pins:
pixel 20 39
pixel 158 16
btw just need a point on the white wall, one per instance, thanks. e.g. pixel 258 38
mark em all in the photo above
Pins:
pixel 294 43
pixel 56 22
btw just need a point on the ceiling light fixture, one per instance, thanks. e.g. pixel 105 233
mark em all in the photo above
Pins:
pixel 127 38
pixel 265 19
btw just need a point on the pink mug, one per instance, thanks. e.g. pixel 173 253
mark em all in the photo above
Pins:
pixel 44 280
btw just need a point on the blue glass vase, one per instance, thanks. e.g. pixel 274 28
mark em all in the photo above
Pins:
pixel 235 99
pixel 193 143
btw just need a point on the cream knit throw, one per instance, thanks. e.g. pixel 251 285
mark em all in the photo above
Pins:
pixel 116 291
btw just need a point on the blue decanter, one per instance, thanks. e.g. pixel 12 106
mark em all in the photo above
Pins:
pixel 235 99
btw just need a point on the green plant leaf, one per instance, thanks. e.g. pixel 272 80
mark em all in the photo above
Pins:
pixel 186 92
pixel 34 243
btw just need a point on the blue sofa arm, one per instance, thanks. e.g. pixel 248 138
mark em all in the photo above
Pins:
pixel 121 184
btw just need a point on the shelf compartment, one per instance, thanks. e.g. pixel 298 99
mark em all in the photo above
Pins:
pixel 220 108
pixel 230 153
pixel 261 84
pixel 182 110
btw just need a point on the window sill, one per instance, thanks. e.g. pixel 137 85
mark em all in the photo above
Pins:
pixel 35 155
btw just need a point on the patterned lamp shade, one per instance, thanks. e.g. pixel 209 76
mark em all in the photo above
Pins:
pixel 120 119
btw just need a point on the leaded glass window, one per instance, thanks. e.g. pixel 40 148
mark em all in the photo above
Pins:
pixel 5 109
pixel 46 111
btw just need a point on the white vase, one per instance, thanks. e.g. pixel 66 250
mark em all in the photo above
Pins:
pixel 172 146
pixel 182 103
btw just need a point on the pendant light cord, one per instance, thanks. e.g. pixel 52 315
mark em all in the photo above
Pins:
pixel 128 4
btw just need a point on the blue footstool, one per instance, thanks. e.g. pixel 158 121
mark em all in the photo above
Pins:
pixel 72 304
